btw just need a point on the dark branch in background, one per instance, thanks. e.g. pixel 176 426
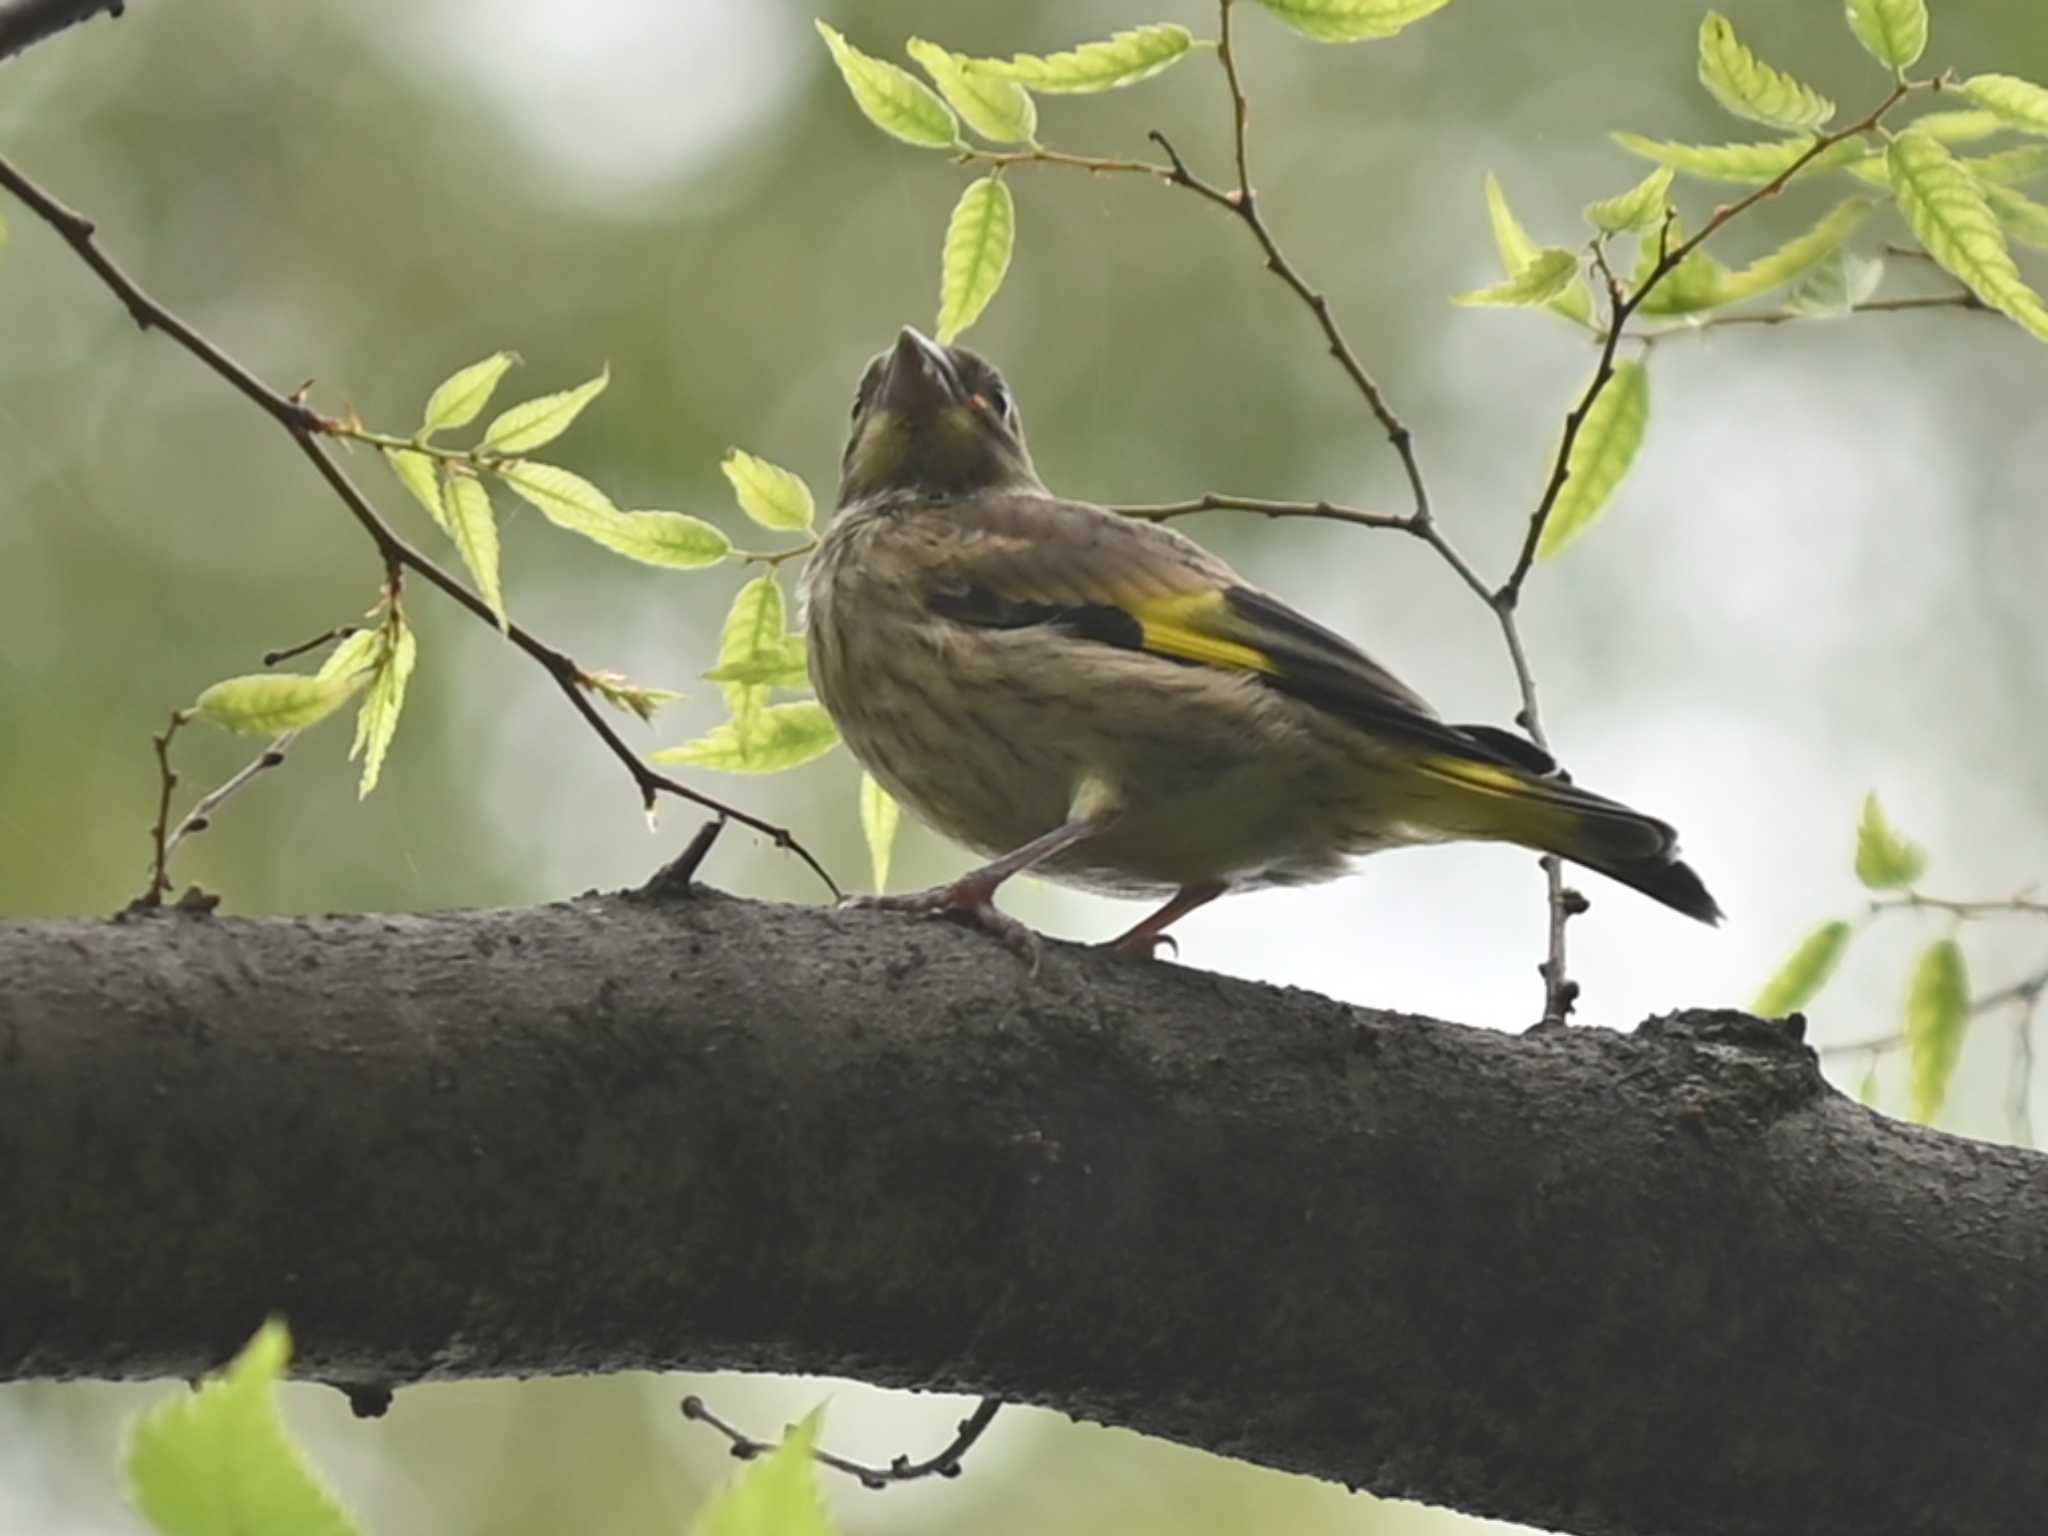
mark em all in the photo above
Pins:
pixel 24 23
pixel 305 427
pixel 1667 1281
pixel 901 1470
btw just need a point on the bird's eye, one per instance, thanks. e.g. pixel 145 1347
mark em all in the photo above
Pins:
pixel 998 400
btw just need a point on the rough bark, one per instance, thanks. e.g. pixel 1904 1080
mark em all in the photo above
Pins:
pixel 1659 1282
pixel 24 23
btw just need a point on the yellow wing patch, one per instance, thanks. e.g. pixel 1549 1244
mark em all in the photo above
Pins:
pixel 1188 627
pixel 1480 776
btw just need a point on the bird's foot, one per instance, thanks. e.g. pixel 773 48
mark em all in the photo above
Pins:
pixel 968 901
pixel 1145 946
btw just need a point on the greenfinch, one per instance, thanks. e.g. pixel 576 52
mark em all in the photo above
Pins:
pixel 1100 701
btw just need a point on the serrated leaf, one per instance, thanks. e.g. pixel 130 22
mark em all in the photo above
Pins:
pixel 2009 167
pixel 377 721
pixel 622 693
pixel 1517 250
pixel 776 665
pixel 271 703
pixel 1796 255
pixel 1124 59
pixel 1601 455
pixel 880 816
pixel 1351 21
pixel 1836 286
pixel 1742 165
pixel 458 399
pixel 418 474
pixel 775 1496
pixel 753 630
pixel 675 541
pixel 2024 219
pixel 360 650
pixel 1959 127
pixel 770 740
pixel 528 425
pixel 475 532
pixel 768 493
pixel 893 99
pixel 1750 88
pixel 1541 279
pixel 1893 31
pixel 2019 103
pixel 1885 861
pixel 219 1461
pixel 1948 212
pixel 1805 971
pixel 998 109
pixel 1640 207
pixel 1937 1011
pixel 564 498
pixel 979 239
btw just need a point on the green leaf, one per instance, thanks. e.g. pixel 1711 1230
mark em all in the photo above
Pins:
pixel 2009 167
pixel 1124 59
pixel 542 420
pixel 998 109
pixel 752 636
pixel 621 693
pixel 768 493
pixel 377 721
pixel 893 99
pixel 1959 127
pixel 880 816
pixel 1885 861
pixel 2018 103
pixel 1742 165
pixel 1937 1009
pixel 1517 250
pixel 979 239
pixel 458 399
pixel 1640 207
pixel 1798 254
pixel 783 665
pixel 1836 286
pixel 1541 279
pixel 769 740
pixel 1948 211
pixel 1799 980
pixel 361 651
pixel 1351 21
pixel 271 703
pixel 475 532
pixel 1894 31
pixel 1750 88
pixel 564 498
pixel 1601 455
pixel 416 472
pixel 675 541
pixel 2024 219
pixel 775 1496
pixel 219 1462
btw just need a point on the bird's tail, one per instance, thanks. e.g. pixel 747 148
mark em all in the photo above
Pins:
pixel 1541 810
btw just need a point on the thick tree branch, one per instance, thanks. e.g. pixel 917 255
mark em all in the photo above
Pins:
pixel 1664 1282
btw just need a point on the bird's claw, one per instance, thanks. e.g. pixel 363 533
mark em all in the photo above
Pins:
pixel 962 902
pixel 1145 946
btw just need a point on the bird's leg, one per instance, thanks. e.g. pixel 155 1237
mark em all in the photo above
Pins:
pixel 1148 935
pixel 971 898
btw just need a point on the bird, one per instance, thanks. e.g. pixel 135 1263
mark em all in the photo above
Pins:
pixel 1096 699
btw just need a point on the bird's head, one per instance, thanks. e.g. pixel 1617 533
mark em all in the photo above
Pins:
pixel 933 421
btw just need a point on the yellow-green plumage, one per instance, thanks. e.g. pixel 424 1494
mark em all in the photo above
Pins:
pixel 1009 664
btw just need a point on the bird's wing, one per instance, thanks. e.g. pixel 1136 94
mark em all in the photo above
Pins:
pixel 1025 560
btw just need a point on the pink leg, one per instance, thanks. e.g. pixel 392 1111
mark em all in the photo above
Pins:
pixel 1148 935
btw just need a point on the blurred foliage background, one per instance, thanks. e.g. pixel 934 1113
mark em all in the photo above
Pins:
pixel 1824 575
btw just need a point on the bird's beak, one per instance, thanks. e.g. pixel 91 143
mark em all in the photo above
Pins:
pixel 920 377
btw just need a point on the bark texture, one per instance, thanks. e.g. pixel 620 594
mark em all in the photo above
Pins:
pixel 1659 1282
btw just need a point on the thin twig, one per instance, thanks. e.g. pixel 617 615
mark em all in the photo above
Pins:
pixel 305 425
pixel 339 632
pixel 200 817
pixel 1963 300
pixel 902 1470
pixel 1165 511
pixel 159 833
pixel 2017 905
